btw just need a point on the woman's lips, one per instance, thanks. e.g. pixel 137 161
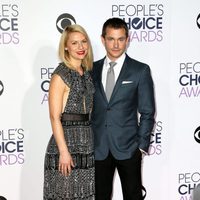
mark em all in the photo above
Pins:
pixel 81 52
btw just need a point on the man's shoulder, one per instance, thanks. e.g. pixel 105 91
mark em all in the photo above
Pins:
pixel 98 64
pixel 135 62
pixel 130 59
pixel 100 61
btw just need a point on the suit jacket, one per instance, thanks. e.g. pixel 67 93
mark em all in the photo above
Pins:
pixel 116 124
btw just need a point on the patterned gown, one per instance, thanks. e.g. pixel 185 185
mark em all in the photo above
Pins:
pixel 79 185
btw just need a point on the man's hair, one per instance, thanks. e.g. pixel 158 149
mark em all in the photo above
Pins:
pixel 115 23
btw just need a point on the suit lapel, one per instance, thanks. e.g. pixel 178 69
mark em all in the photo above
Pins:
pixel 99 79
pixel 123 71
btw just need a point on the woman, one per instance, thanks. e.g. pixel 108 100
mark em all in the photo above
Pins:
pixel 69 159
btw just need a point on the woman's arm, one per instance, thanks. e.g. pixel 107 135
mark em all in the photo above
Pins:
pixel 57 94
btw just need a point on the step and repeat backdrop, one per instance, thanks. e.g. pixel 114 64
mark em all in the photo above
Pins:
pixel 164 34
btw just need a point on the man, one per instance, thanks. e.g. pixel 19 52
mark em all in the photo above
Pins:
pixel 123 117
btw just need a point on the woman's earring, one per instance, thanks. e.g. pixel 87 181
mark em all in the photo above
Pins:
pixel 65 49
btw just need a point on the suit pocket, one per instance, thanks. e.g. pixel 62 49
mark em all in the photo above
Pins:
pixel 127 84
pixel 127 91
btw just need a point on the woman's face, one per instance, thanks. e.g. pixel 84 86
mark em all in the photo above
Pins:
pixel 77 46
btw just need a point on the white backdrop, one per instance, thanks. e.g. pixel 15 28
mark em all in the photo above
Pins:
pixel 163 34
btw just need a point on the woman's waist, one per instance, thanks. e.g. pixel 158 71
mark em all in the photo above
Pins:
pixel 75 119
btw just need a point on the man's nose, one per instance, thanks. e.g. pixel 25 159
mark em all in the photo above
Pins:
pixel 116 44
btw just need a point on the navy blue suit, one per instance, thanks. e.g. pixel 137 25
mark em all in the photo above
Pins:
pixel 119 131
pixel 115 123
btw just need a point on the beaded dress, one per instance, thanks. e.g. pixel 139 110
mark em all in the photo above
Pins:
pixel 79 185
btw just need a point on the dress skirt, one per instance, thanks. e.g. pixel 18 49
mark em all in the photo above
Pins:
pixel 79 185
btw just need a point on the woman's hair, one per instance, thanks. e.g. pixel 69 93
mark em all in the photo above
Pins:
pixel 87 62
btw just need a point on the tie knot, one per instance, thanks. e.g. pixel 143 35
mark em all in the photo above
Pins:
pixel 112 64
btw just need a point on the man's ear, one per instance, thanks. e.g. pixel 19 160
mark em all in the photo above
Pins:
pixel 103 40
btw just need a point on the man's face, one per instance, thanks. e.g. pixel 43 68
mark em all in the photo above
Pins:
pixel 115 42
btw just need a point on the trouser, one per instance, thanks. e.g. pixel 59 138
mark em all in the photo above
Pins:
pixel 129 171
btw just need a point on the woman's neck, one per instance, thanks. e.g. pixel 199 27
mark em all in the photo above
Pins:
pixel 78 68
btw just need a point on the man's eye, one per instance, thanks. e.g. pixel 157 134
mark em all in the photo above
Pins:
pixel 122 39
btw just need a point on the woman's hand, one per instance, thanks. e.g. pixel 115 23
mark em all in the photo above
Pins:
pixel 65 163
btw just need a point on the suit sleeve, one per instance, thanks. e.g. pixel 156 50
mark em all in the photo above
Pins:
pixel 146 108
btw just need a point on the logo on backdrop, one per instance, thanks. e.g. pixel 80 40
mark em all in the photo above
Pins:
pixel 45 76
pixel 198 21
pixel 156 139
pixel 64 20
pixel 145 22
pixel 1 88
pixel 9 26
pixel 11 146
pixel 197 135
pixel 2 198
pixel 187 182
pixel 189 79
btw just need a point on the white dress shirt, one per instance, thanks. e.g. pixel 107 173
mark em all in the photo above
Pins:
pixel 117 68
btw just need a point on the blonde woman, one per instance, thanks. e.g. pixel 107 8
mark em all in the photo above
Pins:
pixel 69 159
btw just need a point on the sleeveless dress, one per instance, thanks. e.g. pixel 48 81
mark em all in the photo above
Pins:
pixel 79 185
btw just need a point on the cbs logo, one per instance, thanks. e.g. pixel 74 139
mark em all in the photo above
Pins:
pixel 2 198
pixel 198 21
pixel 64 20
pixel 197 134
pixel 1 90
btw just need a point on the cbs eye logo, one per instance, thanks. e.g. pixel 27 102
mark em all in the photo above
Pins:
pixel 197 134
pixel 1 90
pixel 2 198
pixel 64 20
pixel 198 21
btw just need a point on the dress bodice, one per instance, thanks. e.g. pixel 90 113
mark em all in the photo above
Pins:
pixel 80 98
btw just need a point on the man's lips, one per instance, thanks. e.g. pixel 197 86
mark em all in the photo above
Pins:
pixel 115 50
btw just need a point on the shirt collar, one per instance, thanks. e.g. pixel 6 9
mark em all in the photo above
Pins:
pixel 120 60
